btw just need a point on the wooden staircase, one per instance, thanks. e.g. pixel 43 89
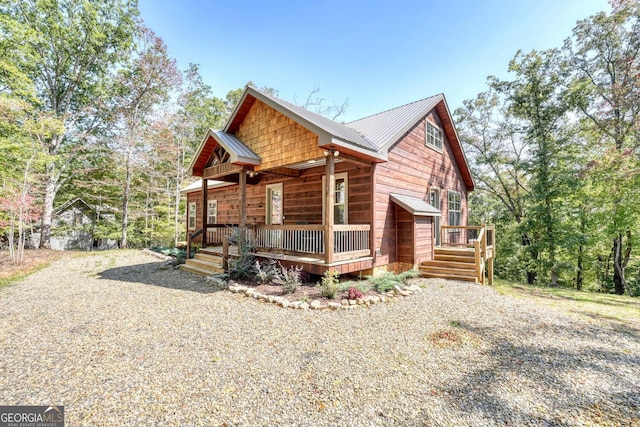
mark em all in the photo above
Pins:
pixel 204 263
pixel 451 263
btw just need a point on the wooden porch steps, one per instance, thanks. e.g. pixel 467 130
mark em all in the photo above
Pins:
pixel 204 264
pixel 451 263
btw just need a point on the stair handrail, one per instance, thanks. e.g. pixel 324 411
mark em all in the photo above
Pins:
pixel 480 249
pixel 189 238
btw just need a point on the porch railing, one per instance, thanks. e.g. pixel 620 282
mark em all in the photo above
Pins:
pixel 481 238
pixel 293 238
pixel 349 240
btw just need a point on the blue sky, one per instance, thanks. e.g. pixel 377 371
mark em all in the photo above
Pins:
pixel 378 54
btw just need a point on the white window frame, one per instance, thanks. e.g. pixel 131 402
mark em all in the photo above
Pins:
pixel 214 204
pixel 451 210
pixel 268 207
pixel 436 202
pixel 433 136
pixel 338 176
pixel 191 214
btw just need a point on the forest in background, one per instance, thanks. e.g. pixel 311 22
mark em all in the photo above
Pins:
pixel 92 106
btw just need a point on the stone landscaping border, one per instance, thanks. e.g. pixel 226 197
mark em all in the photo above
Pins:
pixel 344 304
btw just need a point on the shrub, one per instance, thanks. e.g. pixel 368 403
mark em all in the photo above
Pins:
pixel 266 271
pixel 329 284
pixel 353 293
pixel 242 267
pixel 386 281
pixel 289 278
pixel 361 285
pixel 406 275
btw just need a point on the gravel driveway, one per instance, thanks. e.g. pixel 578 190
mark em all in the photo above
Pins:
pixel 118 340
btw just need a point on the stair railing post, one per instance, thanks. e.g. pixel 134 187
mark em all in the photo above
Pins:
pixel 479 275
pixel 225 253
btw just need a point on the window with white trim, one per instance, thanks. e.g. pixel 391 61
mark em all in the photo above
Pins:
pixel 434 136
pixel 212 212
pixel 455 208
pixel 274 211
pixel 340 200
pixel 191 216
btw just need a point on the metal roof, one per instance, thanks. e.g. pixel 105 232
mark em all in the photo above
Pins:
pixel 239 152
pixel 414 205
pixel 197 186
pixel 336 130
pixel 388 127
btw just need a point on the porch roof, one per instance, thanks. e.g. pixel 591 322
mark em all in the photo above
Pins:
pixel 414 205
pixel 239 153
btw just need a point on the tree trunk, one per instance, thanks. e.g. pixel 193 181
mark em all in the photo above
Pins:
pixel 579 276
pixel 531 275
pixel 50 190
pixel 176 211
pixel 125 201
pixel 619 281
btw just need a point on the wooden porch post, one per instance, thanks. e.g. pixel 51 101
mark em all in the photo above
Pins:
pixel 205 210
pixel 243 199
pixel 330 197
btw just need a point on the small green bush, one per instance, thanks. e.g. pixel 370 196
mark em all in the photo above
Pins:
pixel 330 284
pixel 289 279
pixel 386 281
pixel 361 285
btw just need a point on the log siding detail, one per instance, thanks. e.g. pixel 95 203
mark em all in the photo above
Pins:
pixel 412 169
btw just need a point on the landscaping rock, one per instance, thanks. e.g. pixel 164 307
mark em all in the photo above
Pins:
pixel 315 304
pixel 334 305
pixel 398 291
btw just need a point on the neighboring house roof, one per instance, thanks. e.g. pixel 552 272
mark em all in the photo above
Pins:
pixel 70 203
pixel 197 186
pixel 414 205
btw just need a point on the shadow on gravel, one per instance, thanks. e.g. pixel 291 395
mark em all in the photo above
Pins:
pixel 157 274
pixel 561 377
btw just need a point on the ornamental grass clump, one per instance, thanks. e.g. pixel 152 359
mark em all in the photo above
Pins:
pixel 330 284
pixel 289 279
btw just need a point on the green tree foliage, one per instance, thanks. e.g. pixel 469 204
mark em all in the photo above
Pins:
pixel 564 192
pixel 604 54
pixel 60 53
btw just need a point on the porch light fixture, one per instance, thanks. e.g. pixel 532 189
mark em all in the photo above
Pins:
pixel 333 151
pixel 252 174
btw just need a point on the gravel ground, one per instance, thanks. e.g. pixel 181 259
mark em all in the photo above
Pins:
pixel 118 340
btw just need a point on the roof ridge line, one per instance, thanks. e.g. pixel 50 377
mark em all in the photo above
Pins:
pixel 395 108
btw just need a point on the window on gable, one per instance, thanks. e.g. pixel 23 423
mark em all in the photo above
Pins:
pixel 434 136
pixel 455 211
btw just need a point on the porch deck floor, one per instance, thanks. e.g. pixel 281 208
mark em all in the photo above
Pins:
pixel 306 259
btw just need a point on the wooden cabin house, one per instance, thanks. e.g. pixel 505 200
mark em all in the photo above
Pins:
pixel 386 192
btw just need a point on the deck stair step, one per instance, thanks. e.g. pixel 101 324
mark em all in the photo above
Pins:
pixel 448 276
pixel 203 264
pixel 452 264
pixel 208 258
